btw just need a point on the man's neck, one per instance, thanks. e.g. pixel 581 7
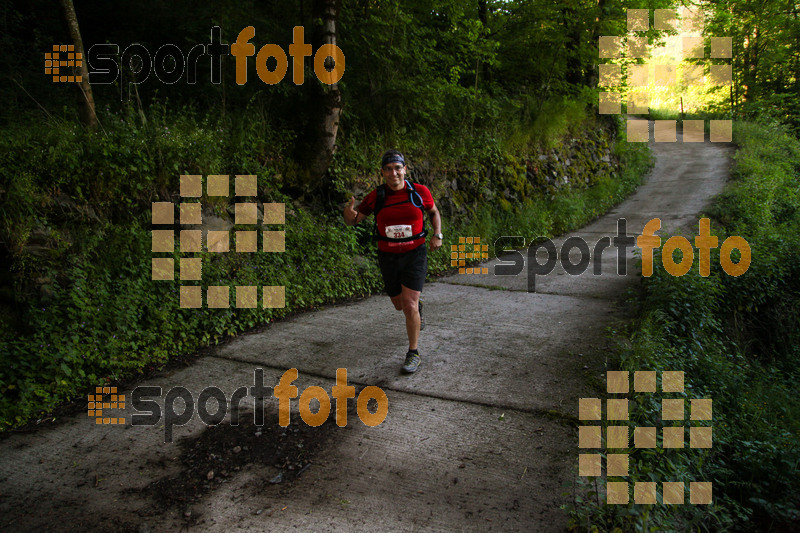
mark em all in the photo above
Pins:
pixel 402 186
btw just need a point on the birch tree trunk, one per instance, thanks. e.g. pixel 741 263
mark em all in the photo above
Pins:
pixel 329 100
pixel 85 98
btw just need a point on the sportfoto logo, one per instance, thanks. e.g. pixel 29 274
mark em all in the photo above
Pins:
pixel 617 442
pixel 649 79
pixel 193 242
pixel 147 411
pixel 169 64
pixel 513 263
pixel 63 55
pixel 468 248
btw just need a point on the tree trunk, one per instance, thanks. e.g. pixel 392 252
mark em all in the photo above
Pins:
pixel 329 100
pixel 750 71
pixel 85 98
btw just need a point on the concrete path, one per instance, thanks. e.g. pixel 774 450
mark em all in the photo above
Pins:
pixel 482 438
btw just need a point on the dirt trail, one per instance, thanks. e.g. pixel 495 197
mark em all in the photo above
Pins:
pixel 479 439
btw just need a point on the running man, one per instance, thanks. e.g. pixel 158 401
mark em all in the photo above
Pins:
pixel 399 207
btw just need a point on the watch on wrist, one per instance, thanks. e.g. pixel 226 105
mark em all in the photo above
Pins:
pixel 439 236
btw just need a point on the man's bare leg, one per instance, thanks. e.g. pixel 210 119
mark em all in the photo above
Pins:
pixel 408 302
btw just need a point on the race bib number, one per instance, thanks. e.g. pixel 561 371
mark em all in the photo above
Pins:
pixel 398 232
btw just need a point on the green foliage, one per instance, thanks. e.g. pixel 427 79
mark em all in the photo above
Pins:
pixel 76 215
pixel 104 319
pixel 79 315
pixel 766 64
pixel 546 124
pixel 423 63
pixel 736 340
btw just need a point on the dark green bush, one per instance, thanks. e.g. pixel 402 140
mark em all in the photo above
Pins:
pixel 736 340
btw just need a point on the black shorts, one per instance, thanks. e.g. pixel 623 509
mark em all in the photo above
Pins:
pixel 407 269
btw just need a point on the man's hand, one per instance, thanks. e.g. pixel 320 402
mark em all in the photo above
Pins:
pixel 350 214
pixel 434 244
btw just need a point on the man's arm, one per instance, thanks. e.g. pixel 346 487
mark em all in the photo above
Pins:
pixel 436 222
pixel 351 216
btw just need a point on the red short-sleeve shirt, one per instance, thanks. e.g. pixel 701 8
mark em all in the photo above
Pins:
pixel 397 214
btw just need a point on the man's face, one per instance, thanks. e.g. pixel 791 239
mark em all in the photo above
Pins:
pixel 394 174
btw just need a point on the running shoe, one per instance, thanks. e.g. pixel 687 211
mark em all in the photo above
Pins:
pixel 412 363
